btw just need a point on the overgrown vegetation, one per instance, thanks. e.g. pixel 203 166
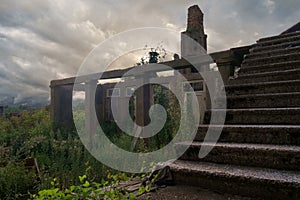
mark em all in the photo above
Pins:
pixel 62 158
pixel 16 182
pixel 107 189
pixel 60 155
pixel 153 55
pixel 67 170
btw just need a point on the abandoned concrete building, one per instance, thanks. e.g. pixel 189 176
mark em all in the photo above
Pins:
pixel 258 153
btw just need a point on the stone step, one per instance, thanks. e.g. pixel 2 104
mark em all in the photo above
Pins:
pixel 273 100
pixel 270 67
pixel 264 87
pixel 278 36
pixel 259 134
pixel 283 75
pixel 272 52
pixel 258 116
pixel 271 59
pixel 256 49
pixel 239 180
pixel 277 41
pixel 285 157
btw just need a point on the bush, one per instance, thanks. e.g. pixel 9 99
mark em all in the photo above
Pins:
pixel 16 182
pixel 58 153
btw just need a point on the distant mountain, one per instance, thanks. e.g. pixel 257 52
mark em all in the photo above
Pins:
pixel 34 102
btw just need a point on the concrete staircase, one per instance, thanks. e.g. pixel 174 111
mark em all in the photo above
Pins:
pixel 258 153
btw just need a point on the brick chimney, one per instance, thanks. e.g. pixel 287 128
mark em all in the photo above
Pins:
pixel 195 30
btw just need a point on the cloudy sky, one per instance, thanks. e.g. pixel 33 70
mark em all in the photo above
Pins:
pixel 41 40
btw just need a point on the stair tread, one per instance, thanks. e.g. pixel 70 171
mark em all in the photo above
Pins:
pixel 262 83
pixel 226 170
pixel 281 72
pixel 251 134
pixel 270 65
pixel 251 126
pixel 259 109
pixel 270 57
pixel 256 48
pixel 278 36
pixel 264 147
pixel 278 40
pixel 262 95
pixel 273 51
pixel 263 116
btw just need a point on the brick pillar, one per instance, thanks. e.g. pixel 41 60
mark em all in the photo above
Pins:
pixel 195 30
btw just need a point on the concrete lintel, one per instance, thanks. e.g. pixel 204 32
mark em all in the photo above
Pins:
pixel 178 64
pixel 86 78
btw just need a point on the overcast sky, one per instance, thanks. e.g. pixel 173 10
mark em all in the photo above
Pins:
pixel 41 40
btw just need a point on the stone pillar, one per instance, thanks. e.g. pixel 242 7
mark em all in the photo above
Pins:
pixel 90 110
pixel 61 105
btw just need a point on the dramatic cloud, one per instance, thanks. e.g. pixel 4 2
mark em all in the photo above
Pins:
pixel 45 40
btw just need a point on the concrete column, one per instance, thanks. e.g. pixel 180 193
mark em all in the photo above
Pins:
pixel 61 105
pixel 90 111
pixel 226 70
pixel 143 103
pixel 122 105
pixel 99 103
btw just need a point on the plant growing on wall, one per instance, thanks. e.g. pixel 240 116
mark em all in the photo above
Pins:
pixel 153 55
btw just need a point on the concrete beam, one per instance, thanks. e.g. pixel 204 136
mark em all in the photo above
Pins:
pixel 176 65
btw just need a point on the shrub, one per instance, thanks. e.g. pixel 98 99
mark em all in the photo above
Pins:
pixel 16 182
